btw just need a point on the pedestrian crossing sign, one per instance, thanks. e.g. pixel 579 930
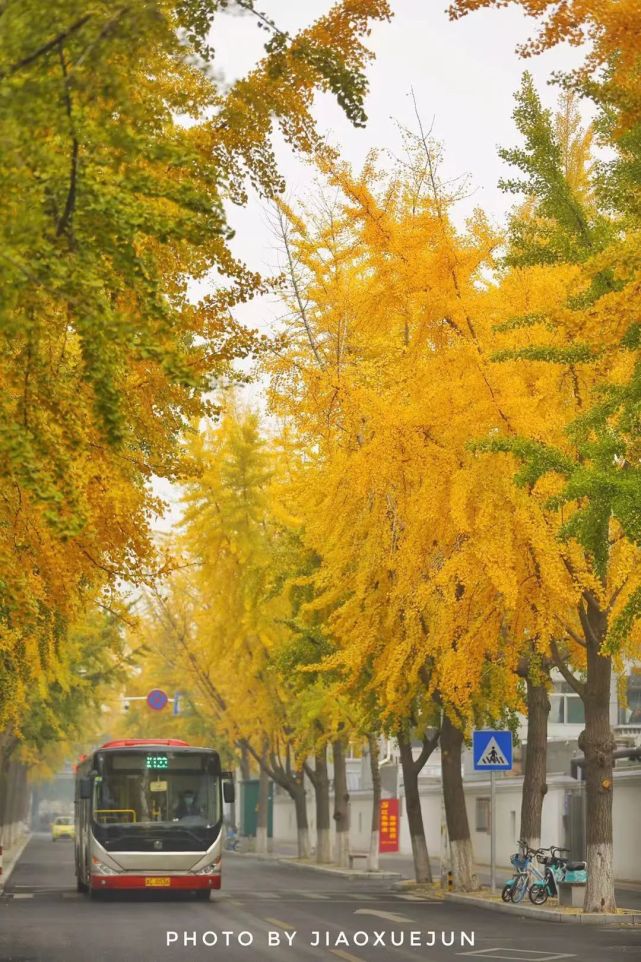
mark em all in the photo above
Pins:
pixel 492 751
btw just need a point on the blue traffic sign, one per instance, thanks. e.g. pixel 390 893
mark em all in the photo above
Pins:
pixel 157 699
pixel 492 750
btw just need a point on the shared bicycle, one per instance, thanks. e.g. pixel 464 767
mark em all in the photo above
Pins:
pixel 540 885
pixel 516 888
pixel 558 868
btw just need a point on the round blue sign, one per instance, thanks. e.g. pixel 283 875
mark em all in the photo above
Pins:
pixel 157 699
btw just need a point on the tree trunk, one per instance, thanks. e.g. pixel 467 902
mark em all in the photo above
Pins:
pixel 263 812
pixel 245 769
pixel 374 842
pixel 320 781
pixel 422 869
pixel 534 783
pixel 302 826
pixel 11 798
pixel 8 743
pixel 341 804
pixel 597 744
pixel 292 781
pixel 3 793
pixel 458 828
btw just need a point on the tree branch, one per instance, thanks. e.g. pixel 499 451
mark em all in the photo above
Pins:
pixel 429 744
pixel 70 203
pixel 587 627
pixel 573 635
pixel 572 681
pixel 47 47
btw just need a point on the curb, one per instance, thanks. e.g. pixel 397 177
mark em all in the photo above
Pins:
pixel 11 860
pixel 347 873
pixel 404 885
pixel 545 915
pixel 426 890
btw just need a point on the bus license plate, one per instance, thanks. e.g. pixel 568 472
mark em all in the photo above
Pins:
pixel 158 881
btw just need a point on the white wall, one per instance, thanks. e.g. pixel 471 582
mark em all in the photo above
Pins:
pixel 626 816
pixel 627 826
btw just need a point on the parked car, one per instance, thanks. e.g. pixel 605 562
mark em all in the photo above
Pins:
pixel 62 827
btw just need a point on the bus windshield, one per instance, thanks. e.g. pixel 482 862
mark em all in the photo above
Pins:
pixel 170 789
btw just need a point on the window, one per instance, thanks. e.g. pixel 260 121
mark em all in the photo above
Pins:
pixel 574 710
pixel 165 788
pixel 566 707
pixel 482 814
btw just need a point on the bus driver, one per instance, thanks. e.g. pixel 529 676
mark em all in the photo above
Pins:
pixel 187 805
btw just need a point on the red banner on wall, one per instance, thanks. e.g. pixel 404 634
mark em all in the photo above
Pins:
pixel 388 839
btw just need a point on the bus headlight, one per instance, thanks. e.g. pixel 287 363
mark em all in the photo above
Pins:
pixel 210 869
pixel 101 869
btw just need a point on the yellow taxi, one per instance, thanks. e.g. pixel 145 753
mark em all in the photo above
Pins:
pixel 62 827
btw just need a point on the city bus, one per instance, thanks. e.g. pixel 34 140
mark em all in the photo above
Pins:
pixel 149 815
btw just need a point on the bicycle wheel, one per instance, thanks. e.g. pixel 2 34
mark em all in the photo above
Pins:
pixel 506 894
pixel 538 893
pixel 519 888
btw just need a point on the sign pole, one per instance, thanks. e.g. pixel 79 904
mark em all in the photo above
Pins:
pixel 492 752
pixel 492 834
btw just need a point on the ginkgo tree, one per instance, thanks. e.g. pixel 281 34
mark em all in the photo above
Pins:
pixel 382 294
pixel 120 146
pixel 590 474
pixel 224 617
pixel 443 569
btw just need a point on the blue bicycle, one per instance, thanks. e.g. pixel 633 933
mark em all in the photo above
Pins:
pixel 557 869
pixel 515 888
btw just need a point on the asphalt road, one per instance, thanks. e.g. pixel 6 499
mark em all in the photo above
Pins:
pixel 43 919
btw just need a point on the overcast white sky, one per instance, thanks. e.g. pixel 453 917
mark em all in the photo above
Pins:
pixel 463 74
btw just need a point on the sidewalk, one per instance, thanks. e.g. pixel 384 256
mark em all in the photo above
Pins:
pixel 10 857
pixel 628 894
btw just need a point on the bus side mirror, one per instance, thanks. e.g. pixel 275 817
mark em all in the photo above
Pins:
pixel 229 793
pixel 84 787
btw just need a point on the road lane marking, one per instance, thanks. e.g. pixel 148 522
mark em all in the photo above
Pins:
pixel 23 895
pixel 263 895
pixel 388 916
pixel 282 925
pixel 524 955
pixel 363 898
pixel 345 955
pixel 313 895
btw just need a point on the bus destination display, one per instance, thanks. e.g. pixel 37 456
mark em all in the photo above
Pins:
pixel 157 761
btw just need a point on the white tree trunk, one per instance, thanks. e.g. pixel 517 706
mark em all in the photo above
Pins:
pixel 342 849
pixel 323 845
pixel 303 843
pixel 261 840
pixel 373 859
pixel 600 884
pixel 462 864
pixel 374 843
